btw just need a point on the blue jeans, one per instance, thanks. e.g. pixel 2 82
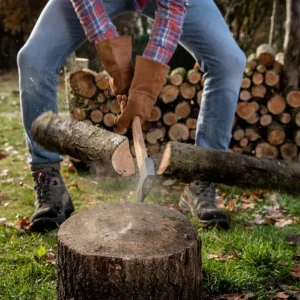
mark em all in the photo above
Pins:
pixel 206 36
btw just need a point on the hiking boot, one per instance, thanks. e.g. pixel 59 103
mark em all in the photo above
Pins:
pixel 200 200
pixel 53 203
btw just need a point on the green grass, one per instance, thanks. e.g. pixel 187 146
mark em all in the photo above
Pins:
pixel 258 257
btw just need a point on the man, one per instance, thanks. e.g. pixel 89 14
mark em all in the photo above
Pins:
pixel 65 24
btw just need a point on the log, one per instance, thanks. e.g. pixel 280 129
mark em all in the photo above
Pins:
pixel 246 83
pixel 261 69
pixel 266 150
pixel 252 61
pixel 244 142
pixel 121 131
pixel 284 118
pixel 191 123
pixel 169 93
pixel 147 125
pixel 152 149
pixel 109 120
pixel 193 134
pixel 83 84
pixel 276 104
pixel 96 116
pixel 265 55
pixel 183 109
pixel 193 76
pixel 231 169
pixel 271 78
pixel 179 132
pixel 258 91
pixel 170 118
pixel 252 133
pixel 101 98
pixel 90 144
pixel 263 110
pixel 289 151
pixel 297 137
pixel 295 115
pixel 238 133
pixel 128 251
pixel 177 76
pixel 253 120
pixel 276 134
pixel 154 135
pixel 245 95
pixel 187 91
pixel 199 97
pixel 115 107
pixel 88 122
pixel 81 63
pixel 245 110
pixel 265 120
pixel 79 114
pixel 257 78
pixel 293 99
pixel 104 108
pixel 155 114
pixel 102 81
pixel 237 149
pixel 92 105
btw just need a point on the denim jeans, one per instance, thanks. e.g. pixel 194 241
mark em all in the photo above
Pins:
pixel 206 36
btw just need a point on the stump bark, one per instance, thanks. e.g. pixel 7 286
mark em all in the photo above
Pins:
pixel 128 251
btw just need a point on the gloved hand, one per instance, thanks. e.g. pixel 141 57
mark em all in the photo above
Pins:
pixel 148 81
pixel 115 54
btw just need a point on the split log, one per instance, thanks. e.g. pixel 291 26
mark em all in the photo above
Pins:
pixel 265 120
pixel 265 55
pixel 245 95
pixel 257 78
pixel 96 116
pixel 169 93
pixel 231 169
pixel 258 91
pixel 271 78
pixel 266 150
pixel 177 76
pixel 191 123
pixel 179 132
pixel 246 83
pixel 187 90
pixel 109 120
pixel 276 134
pixel 83 84
pixel 276 104
pixel 90 144
pixel 102 81
pixel 155 114
pixel 170 118
pixel 245 110
pixel 285 118
pixel 183 109
pixel 238 133
pixel 79 114
pixel 289 151
pixel 193 76
pixel 293 99
pixel 128 251
pixel 154 135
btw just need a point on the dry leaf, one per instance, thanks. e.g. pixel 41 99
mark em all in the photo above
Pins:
pixel 2 155
pixel 220 257
pixel 283 222
pixel 231 205
pixel 248 206
pixel 220 202
pixel 295 272
pixel 3 196
pixel 23 224
pixel 281 295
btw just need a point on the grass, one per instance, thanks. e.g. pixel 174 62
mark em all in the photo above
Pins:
pixel 247 258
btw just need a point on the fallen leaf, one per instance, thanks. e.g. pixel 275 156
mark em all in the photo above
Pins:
pixel 2 155
pixel 293 239
pixel 220 202
pixel 3 196
pixel 281 295
pixel 2 221
pixel 221 257
pixel 23 224
pixel 260 220
pixel 295 272
pixel 4 173
pixel 284 222
pixel 231 205
pixel 65 175
pixel 168 182
pixel 248 206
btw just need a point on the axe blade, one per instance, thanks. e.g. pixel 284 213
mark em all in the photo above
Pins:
pixel 147 176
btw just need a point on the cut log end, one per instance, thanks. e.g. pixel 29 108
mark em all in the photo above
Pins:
pixel 293 99
pixel 179 132
pixel 169 93
pixel 83 84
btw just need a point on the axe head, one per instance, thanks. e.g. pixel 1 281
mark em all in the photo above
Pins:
pixel 147 175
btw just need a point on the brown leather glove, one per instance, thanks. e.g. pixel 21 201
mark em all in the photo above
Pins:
pixel 148 80
pixel 115 54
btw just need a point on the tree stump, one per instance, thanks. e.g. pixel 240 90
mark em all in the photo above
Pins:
pixel 128 251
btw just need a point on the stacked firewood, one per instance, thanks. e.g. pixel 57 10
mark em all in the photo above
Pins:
pixel 267 124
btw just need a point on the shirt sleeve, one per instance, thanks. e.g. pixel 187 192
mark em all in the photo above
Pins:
pixel 167 30
pixel 94 20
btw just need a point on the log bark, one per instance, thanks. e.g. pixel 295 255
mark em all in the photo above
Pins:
pixel 265 55
pixel 128 251
pixel 90 144
pixel 83 84
pixel 169 93
pixel 234 170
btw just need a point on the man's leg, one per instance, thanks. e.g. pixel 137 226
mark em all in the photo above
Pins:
pixel 207 37
pixel 57 33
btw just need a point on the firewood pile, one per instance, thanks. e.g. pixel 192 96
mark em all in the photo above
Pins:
pixel 267 121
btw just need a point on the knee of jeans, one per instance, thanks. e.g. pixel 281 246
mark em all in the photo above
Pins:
pixel 27 58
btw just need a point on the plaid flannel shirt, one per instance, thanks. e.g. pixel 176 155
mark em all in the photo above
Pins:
pixel 166 32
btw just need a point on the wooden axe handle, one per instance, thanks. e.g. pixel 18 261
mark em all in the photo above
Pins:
pixel 138 140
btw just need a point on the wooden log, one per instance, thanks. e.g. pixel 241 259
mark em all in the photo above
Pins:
pixel 101 98
pixel 293 99
pixel 284 118
pixel 147 125
pixel 266 150
pixel 155 114
pixel 258 91
pixel 191 123
pixel 193 76
pixel 79 114
pixel 183 109
pixel 295 115
pixel 271 78
pixel 257 78
pixel 96 116
pixel 170 118
pixel 90 144
pixel 244 142
pixel 237 149
pixel 276 104
pixel 152 149
pixel 252 61
pixel 265 120
pixel 104 108
pixel 263 110
pixel 238 133
pixel 243 171
pixel 193 134
pixel 92 105
pixel 109 120
pixel 88 122
pixel 115 107
pixel 81 63
pixel 245 95
pixel 187 90
pixel 252 133
pixel 83 84
pixel 248 71
pixel 279 57
pixel 154 135
pixel 261 69
pixel 276 134
pixel 169 93
pixel 253 120
pixel 102 81
pixel 246 83
pixel 297 137
pixel 245 110
pixel 179 132
pixel 177 76
pixel 128 251
pixel 289 151
pixel 199 97
pixel 265 55
pixel 121 131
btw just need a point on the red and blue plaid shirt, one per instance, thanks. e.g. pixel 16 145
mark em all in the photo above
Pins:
pixel 166 32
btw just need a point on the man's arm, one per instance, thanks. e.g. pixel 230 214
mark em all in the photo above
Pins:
pixel 94 20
